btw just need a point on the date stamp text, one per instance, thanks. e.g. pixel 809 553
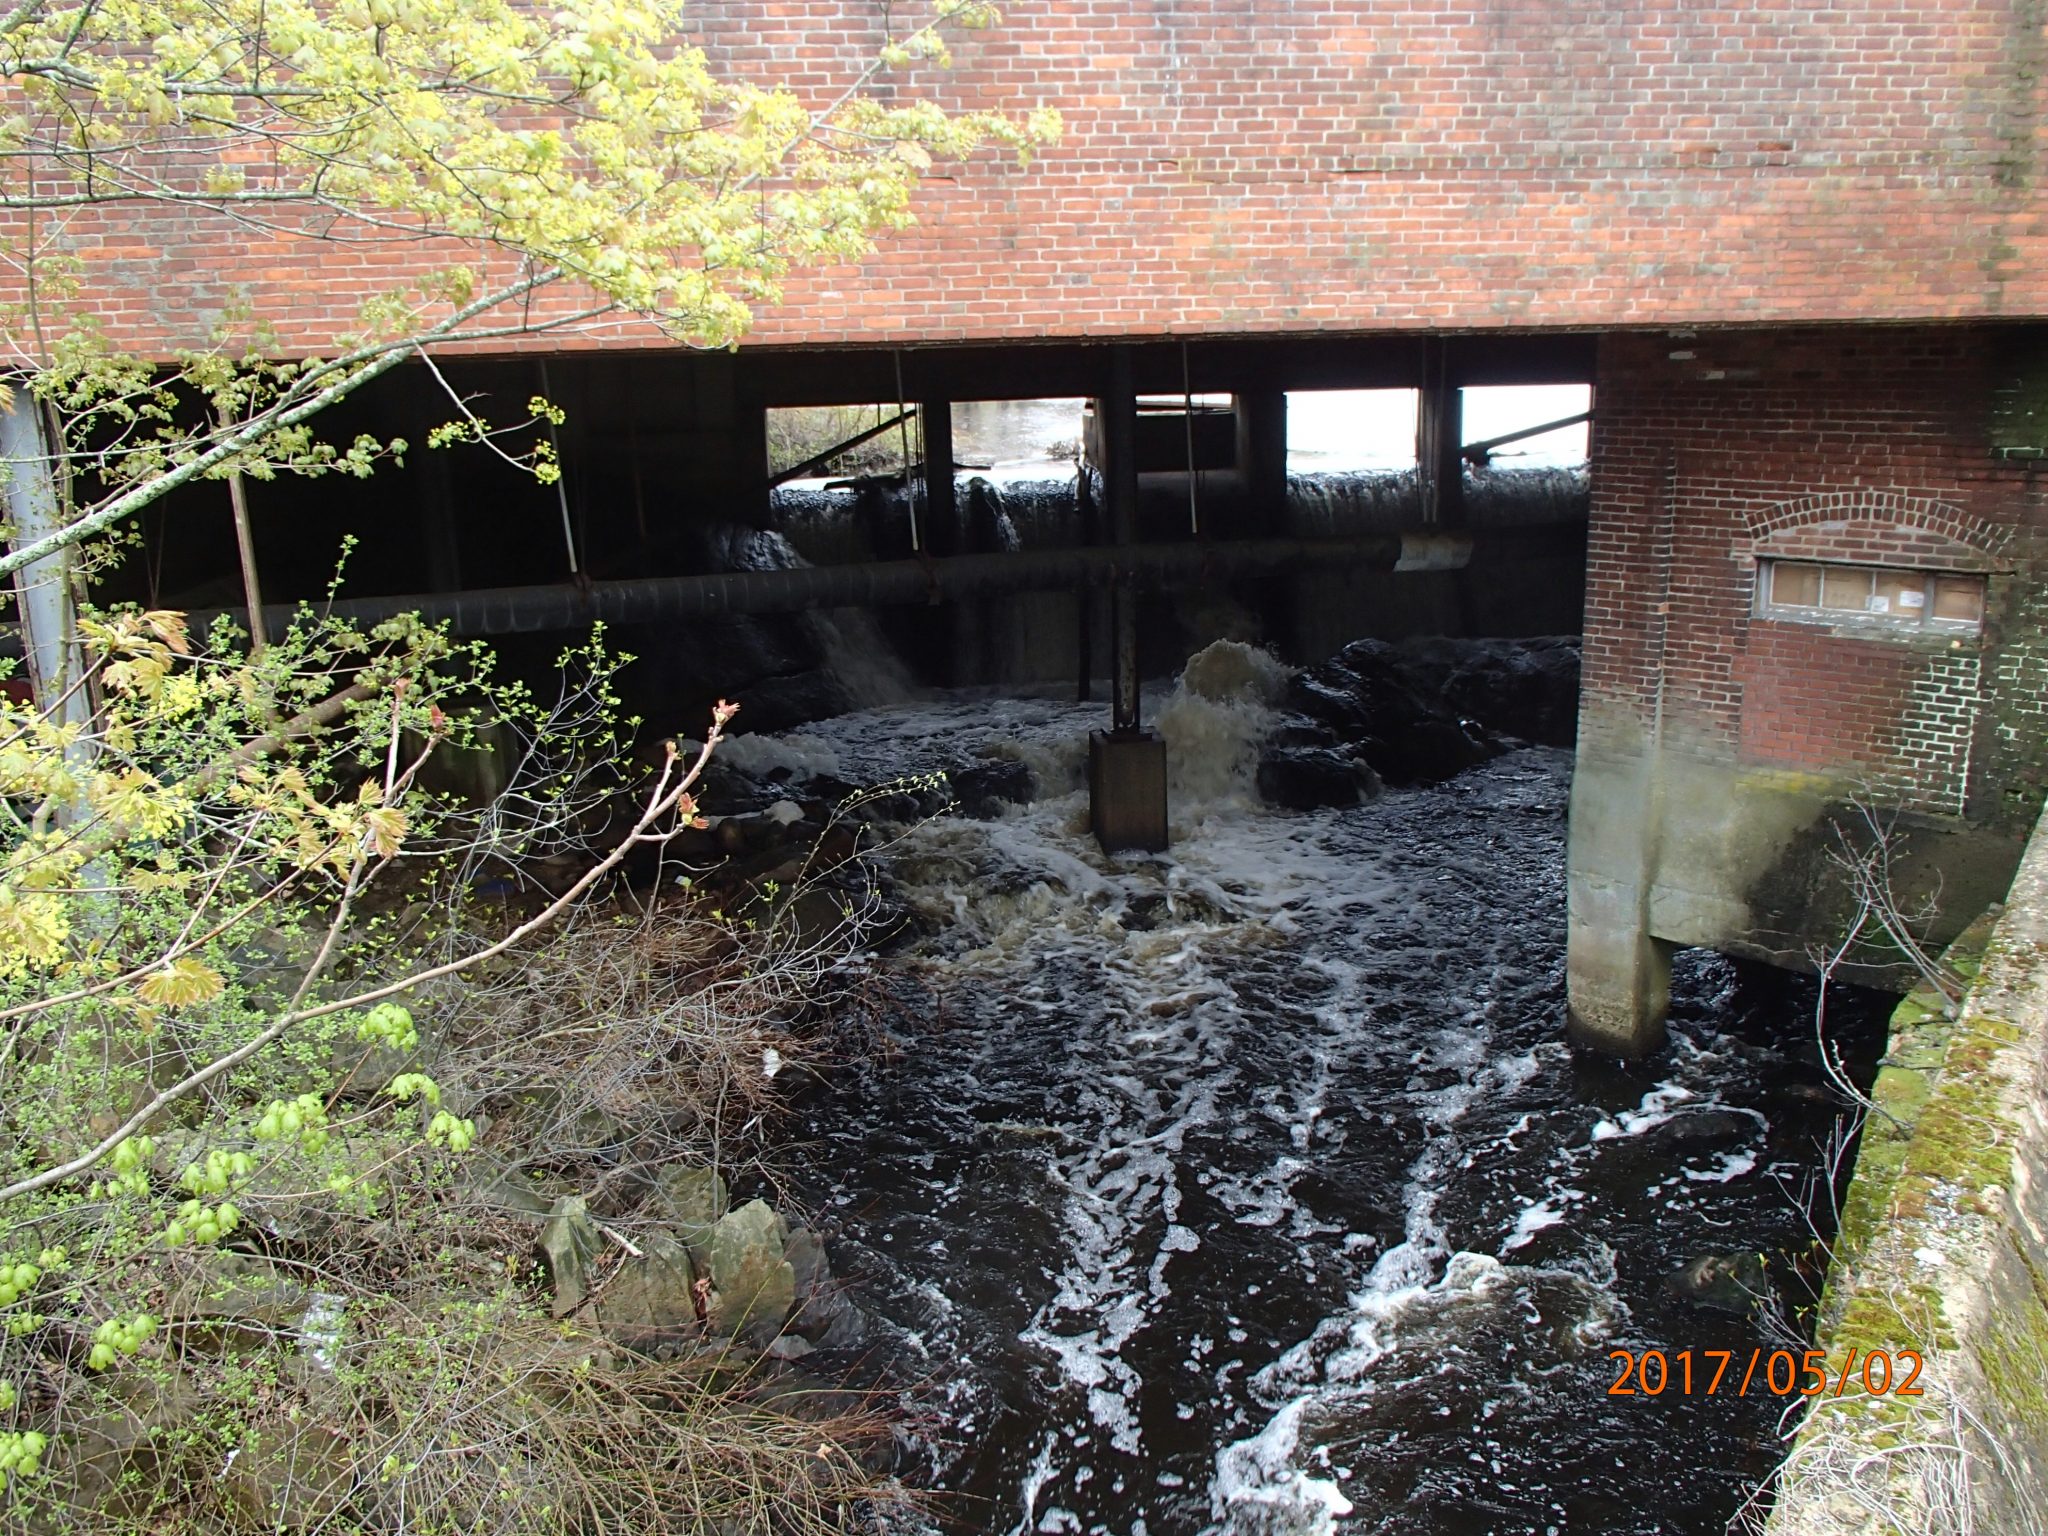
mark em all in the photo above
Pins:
pixel 1778 1372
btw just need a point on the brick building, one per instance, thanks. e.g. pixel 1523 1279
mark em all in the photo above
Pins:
pixel 1797 249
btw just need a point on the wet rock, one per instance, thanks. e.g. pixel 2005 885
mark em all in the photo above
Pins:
pixel 566 1128
pixel 1526 688
pixel 819 918
pixel 849 1418
pixel 1312 778
pixel 1293 731
pixel 1430 751
pixel 753 1285
pixel 773 827
pixel 1426 710
pixel 983 790
pixel 1721 1282
pixel 900 804
pixel 779 867
pixel 1815 1096
pixel 691 1201
pixel 1706 1129
pixel 805 1251
pixel 1362 694
pixel 651 1302
pixel 569 1243
pixel 274 1199
pixel 824 1314
pixel 776 704
pixel 829 789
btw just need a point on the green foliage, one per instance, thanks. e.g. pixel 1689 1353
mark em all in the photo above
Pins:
pixel 234 914
pixel 213 895
pixel 583 147
pixel 800 433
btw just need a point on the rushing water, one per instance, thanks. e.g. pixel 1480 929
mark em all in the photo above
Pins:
pixel 1250 1188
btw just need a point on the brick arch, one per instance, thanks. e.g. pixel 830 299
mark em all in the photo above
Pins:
pixel 1939 522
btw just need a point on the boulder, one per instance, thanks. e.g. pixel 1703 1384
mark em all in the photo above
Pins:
pixel 1722 1282
pixel 1430 751
pixel 753 1285
pixel 1706 1129
pixel 1357 692
pixel 821 917
pixel 824 1314
pixel 651 1302
pixel 569 1243
pixel 503 1191
pixel 274 1200
pixel 116 1462
pixel 293 1477
pixel 690 1201
pixel 981 792
pixel 1526 688
pixel 1363 695
pixel 1312 778
pixel 230 1294
pixel 789 1391
pixel 1427 709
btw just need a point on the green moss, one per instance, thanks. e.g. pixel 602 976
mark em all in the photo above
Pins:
pixel 2014 1360
pixel 1897 1318
pixel 2014 1357
pixel 1914 1066
pixel 1939 1128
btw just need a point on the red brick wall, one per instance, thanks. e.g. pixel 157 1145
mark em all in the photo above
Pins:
pixel 1277 165
pixel 1870 448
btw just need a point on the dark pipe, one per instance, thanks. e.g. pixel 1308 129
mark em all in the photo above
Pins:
pixel 881 583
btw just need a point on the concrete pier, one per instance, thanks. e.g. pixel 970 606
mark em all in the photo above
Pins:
pixel 1127 790
pixel 1617 976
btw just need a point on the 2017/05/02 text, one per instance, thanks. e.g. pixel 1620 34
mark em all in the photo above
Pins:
pixel 1778 1372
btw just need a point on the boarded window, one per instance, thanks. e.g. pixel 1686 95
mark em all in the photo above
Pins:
pixel 1820 592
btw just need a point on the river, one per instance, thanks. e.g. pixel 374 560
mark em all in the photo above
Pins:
pixel 1251 1188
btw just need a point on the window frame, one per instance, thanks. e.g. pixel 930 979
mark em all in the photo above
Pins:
pixel 1877 621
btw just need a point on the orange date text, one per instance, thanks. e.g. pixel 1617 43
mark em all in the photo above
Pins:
pixel 1776 1372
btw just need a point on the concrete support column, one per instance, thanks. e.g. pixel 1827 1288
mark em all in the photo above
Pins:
pixel 1617 974
pixel 1084 600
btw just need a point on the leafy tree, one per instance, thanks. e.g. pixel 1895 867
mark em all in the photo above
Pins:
pixel 239 945
pixel 538 167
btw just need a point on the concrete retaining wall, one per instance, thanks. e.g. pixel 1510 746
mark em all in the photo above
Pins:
pixel 1944 1252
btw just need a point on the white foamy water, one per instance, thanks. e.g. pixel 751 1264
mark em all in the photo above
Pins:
pixel 1249 1189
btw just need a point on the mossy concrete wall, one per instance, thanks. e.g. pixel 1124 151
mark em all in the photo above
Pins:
pixel 1943 1251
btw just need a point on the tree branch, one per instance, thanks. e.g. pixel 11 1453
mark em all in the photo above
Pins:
pixel 663 799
